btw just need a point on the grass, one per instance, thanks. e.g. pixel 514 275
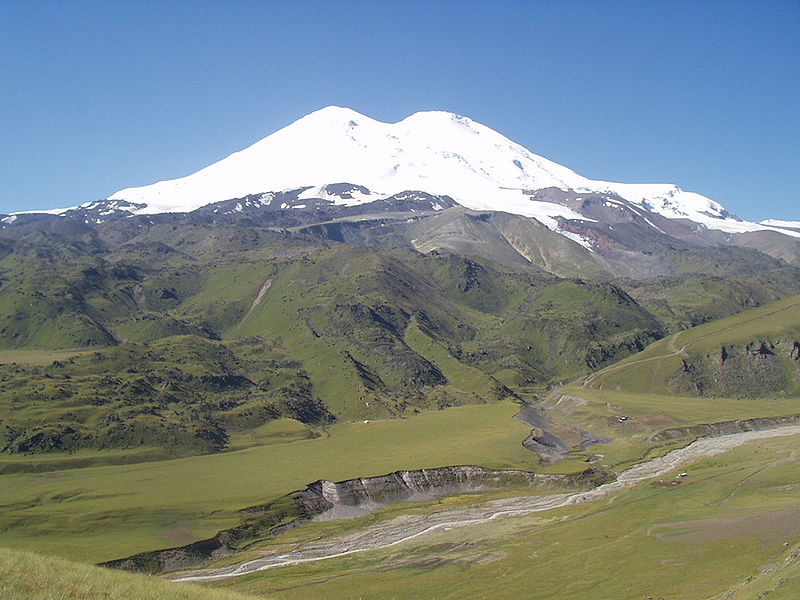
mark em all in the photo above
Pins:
pixel 734 514
pixel 599 411
pixel 40 357
pixel 74 507
pixel 97 513
pixel 778 319
pixel 29 576
pixel 40 463
pixel 650 371
pixel 461 377
pixel 278 431
pixel 100 513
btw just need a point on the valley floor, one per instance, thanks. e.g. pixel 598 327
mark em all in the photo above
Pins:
pixel 405 528
pixel 729 529
pixel 94 514
pixel 731 526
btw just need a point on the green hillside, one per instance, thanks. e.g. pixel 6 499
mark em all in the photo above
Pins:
pixel 28 576
pixel 241 327
pixel 159 375
pixel 755 353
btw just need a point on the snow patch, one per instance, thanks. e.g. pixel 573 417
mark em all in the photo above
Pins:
pixel 649 222
pixel 782 224
pixel 353 197
pixel 51 211
pixel 575 237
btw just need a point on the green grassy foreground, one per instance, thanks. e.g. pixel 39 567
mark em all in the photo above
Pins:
pixel 99 513
pixel 731 526
pixel 28 576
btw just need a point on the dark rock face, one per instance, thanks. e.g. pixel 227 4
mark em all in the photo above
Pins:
pixel 755 370
pixel 104 210
pixel 327 499
pixel 286 208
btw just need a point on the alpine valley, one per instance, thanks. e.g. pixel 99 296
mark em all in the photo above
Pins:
pixel 226 364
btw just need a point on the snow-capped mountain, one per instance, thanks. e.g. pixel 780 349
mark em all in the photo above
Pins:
pixel 782 224
pixel 437 152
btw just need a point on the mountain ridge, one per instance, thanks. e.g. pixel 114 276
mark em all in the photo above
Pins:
pixel 436 152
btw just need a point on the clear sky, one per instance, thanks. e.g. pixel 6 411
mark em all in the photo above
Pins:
pixel 98 96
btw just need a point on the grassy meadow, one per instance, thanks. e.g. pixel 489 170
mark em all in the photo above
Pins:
pixel 94 514
pixel 29 576
pixel 732 526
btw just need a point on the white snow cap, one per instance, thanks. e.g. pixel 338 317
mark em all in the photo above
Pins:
pixel 437 152
pixel 782 224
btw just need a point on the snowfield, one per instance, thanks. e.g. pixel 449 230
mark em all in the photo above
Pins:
pixel 436 152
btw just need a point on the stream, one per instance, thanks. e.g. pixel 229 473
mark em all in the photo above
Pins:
pixel 408 527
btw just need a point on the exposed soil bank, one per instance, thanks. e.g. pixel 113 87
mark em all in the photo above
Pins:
pixel 344 499
pixel 407 527
pixel 724 427
pixel 355 497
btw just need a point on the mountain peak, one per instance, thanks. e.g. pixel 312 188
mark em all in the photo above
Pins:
pixel 439 115
pixel 438 152
pixel 334 113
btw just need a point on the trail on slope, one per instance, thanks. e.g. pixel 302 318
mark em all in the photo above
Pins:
pixel 408 527
pixel 592 379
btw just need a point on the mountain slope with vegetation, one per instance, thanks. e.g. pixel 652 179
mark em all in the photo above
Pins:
pixel 752 354
pixel 201 327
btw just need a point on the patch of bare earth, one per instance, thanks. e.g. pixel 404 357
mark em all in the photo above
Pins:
pixel 769 526
pixel 667 484
pixel 180 533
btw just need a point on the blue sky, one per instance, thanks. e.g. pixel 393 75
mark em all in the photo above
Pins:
pixel 98 96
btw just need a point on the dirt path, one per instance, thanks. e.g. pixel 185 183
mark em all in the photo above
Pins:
pixel 591 379
pixel 409 527
pixel 674 350
pixel 781 461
